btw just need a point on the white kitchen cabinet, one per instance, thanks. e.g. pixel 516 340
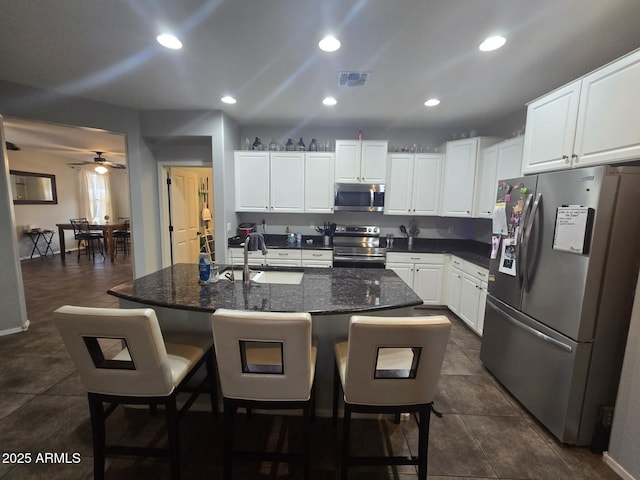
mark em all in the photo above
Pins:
pixel 253 257
pixel 317 258
pixel 498 162
pixel 413 184
pixel 319 182
pixel 454 284
pixel 361 161
pixel 287 182
pixel 423 272
pixel 251 181
pixel 486 183
pixel 468 292
pixel 284 257
pixel 459 175
pixel 587 122
pixel 269 181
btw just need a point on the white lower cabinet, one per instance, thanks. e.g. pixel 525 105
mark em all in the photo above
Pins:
pixel 467 292
pixel 284 257
pixel 423 272
pixel 317 258
pixel 237 256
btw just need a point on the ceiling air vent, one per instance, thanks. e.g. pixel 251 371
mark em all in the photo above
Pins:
pixel 352 79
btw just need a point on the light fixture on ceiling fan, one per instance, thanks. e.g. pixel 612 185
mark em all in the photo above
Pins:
pixel 101 164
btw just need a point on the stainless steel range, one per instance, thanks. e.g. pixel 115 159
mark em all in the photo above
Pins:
pixel 358 246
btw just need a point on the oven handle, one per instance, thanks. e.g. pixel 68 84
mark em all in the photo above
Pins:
pixel 360 258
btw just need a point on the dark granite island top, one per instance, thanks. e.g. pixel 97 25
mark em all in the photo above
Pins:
pixel 322 291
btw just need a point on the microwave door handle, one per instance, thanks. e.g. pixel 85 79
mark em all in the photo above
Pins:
pixel 523 222
pixel 527 238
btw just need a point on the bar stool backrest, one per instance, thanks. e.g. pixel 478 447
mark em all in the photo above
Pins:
pixel 394 360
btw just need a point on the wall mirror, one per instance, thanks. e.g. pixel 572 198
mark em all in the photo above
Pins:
pixel 33 188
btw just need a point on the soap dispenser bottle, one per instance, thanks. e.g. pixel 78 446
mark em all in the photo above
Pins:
pixel 204 267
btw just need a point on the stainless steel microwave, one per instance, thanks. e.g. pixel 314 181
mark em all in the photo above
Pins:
pixel 358 197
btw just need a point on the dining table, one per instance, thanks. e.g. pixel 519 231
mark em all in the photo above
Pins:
pixel 107 230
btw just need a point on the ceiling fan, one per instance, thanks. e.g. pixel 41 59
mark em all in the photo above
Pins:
pixel 100 161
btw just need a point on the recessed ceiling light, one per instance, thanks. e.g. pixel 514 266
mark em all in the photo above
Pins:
pixel 432 102
pixel 329 44
pixel 330 101
pixel 492 43
pixel 169 41
pixel 228 99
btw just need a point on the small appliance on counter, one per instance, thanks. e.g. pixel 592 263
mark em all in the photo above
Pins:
pixel 245 229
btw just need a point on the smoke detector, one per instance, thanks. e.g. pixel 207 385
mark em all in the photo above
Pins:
pixel 352 79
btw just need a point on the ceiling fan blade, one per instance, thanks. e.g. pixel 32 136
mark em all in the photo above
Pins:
pixel 12 146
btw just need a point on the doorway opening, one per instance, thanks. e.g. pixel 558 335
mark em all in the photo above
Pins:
pixel 187 218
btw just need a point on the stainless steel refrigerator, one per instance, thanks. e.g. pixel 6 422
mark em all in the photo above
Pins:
pixel 561 289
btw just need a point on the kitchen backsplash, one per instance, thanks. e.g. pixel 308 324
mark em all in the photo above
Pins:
pixel 430 227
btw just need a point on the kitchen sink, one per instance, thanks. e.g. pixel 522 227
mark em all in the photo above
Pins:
pixel 285 277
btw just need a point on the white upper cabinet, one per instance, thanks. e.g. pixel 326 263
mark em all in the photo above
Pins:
pixel 498 162
pixel 287 182
pixel 361 161
pixel 319 182
pixel 459 175
pixel 608 127
pixel 551 126
pixel 486 188
pixel 251 181
pixel 413 184
pixel 269 181
pixel 590 121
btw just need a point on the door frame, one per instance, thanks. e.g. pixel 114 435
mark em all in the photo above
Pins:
pixel 163 201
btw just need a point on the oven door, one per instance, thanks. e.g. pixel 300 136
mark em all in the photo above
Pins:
pixel 350 262
pixel 357 257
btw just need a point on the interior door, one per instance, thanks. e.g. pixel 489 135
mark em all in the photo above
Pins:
pixel 184 214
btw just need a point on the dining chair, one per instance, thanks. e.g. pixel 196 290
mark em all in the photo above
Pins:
pixel 265 360
pixel 389 365
pixel 122 237
pixel 83 233
pixel 123 358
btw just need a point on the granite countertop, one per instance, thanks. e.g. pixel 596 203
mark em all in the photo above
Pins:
pixel 321 291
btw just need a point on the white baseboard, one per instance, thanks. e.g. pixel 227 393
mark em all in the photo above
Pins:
pixel 11 331
pixel 616 467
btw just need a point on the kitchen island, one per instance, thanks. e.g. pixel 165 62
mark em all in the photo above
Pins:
pixel 331 295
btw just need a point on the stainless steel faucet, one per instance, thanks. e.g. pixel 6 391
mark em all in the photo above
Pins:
pixel 245 268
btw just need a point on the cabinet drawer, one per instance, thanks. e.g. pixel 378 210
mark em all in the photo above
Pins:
pixel 277 255
pixel 480 273
pixel 457 262
pixel 237 257
pixel 428 258
pixel 316 255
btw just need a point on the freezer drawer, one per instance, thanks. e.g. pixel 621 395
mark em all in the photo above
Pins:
pixel 544 370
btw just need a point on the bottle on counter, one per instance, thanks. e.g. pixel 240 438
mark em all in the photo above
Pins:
pixel 204 267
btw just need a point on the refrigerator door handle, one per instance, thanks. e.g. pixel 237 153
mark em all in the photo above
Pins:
pixel 524 259
pixel 525 217
pixel 540 335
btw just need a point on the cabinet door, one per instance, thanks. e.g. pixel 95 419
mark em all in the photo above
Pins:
pixel 551 127
pixel 482 302
pixel 373 167
pixel 510 158
pixel 469 298
pixel 348 154
pixel 287 182
pixel 487 184
pixel 403 270
pixel 427 283
pixel 454 284
pixel 609 114
pixel 319 182
pixel 459 177
pixel 251 181
pixel 427 184
pixel 397 197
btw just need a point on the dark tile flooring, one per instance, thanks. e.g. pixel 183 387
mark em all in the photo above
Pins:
pixel 484 433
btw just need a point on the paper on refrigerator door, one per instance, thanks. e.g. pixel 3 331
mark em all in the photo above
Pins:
pixel 500 219
pixel 508 257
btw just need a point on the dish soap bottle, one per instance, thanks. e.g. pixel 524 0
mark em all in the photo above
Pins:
pixel 204 267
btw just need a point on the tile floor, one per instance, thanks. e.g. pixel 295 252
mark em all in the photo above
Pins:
pixel 483 434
